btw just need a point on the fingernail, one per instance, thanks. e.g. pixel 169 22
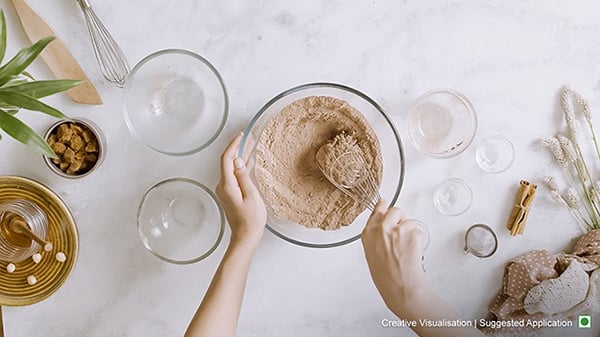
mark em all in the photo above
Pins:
pixel 239 163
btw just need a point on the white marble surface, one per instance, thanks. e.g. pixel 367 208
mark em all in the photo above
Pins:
pixel 510 58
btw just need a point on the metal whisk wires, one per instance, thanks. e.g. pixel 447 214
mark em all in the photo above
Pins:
pixel 351 174
pixel 111 59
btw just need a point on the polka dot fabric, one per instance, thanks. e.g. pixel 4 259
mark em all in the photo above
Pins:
pixel 527 270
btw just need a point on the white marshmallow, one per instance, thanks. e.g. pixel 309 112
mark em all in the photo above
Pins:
pixel 31 280
pixel 11 268
pixel 61 257
pixel 37 257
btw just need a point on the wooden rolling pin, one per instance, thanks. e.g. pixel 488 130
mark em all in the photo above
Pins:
pixel 56 55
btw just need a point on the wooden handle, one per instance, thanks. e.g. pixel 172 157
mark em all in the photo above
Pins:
pixel 20 226
pixel 1 323
pixel 56 55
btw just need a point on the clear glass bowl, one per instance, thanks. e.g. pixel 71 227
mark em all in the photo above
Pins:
pixel 180 221
pixel 453 197
pixel 495 154
pixel 175 102
pixel 442 123
pixel 392 153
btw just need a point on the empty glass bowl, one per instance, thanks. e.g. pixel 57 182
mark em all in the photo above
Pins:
pixel 442 123
pixel 495 154
pixel 453 197
pixel 180 221
pixel 175 102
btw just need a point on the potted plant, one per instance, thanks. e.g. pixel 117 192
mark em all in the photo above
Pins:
pixel 19 90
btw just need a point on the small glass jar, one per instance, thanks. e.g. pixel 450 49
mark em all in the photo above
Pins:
pixel 16 246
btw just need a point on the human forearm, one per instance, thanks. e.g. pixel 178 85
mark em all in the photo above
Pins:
pixel 219 311
pixel 394 249
pixel 423 304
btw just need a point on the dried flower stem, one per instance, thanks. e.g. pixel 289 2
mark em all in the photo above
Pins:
pixel 565 151
pixel 588 117
pixel 583 222
pixel 584 175
pixel 583 196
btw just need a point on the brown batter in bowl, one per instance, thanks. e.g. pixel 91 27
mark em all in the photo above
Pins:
pixel 286 172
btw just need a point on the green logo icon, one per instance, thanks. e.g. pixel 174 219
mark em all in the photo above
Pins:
pixel 584 321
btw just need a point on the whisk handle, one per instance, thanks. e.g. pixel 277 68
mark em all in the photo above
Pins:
pixel 85 4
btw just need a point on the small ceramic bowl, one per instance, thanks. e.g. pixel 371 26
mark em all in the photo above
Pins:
pixel 94 154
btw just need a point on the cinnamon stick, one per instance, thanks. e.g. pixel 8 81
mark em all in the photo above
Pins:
pixel 520 211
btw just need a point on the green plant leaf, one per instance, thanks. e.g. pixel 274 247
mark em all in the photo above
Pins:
pixel 2 35
pixel 11 109
pixel 29 103
pixel 15 80
pixel 28 75
pixel 39 89
pixel 23 59
pixel 24 134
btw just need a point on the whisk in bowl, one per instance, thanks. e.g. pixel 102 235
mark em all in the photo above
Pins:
pixel 344 165
pixel 110 57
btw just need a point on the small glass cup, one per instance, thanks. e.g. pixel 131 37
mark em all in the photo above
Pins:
pixel 495 154
pixel 427 233
pixel 453 197
pixel 481 241
pixel 15 246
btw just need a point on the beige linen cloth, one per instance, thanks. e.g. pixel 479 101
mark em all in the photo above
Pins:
pixel 539 284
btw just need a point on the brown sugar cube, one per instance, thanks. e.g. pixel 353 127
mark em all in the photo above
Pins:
pixel 52 139
pixel 92 146
pixel 56 160
pixel 76 128
pixel 63 165
pixel 69 155
pixel 87 135
pixel 79 156
pixel 58 148
pixel 92 158
pixel 76 142
pixel 74 167
pixel 64 133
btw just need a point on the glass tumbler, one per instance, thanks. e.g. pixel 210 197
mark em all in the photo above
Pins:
pixel 14 245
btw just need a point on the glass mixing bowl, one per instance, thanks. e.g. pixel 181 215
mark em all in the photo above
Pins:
pixel 175 102
pixel 391 150
pixel 180 221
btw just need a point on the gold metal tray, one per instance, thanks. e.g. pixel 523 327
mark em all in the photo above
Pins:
pixel 62 232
